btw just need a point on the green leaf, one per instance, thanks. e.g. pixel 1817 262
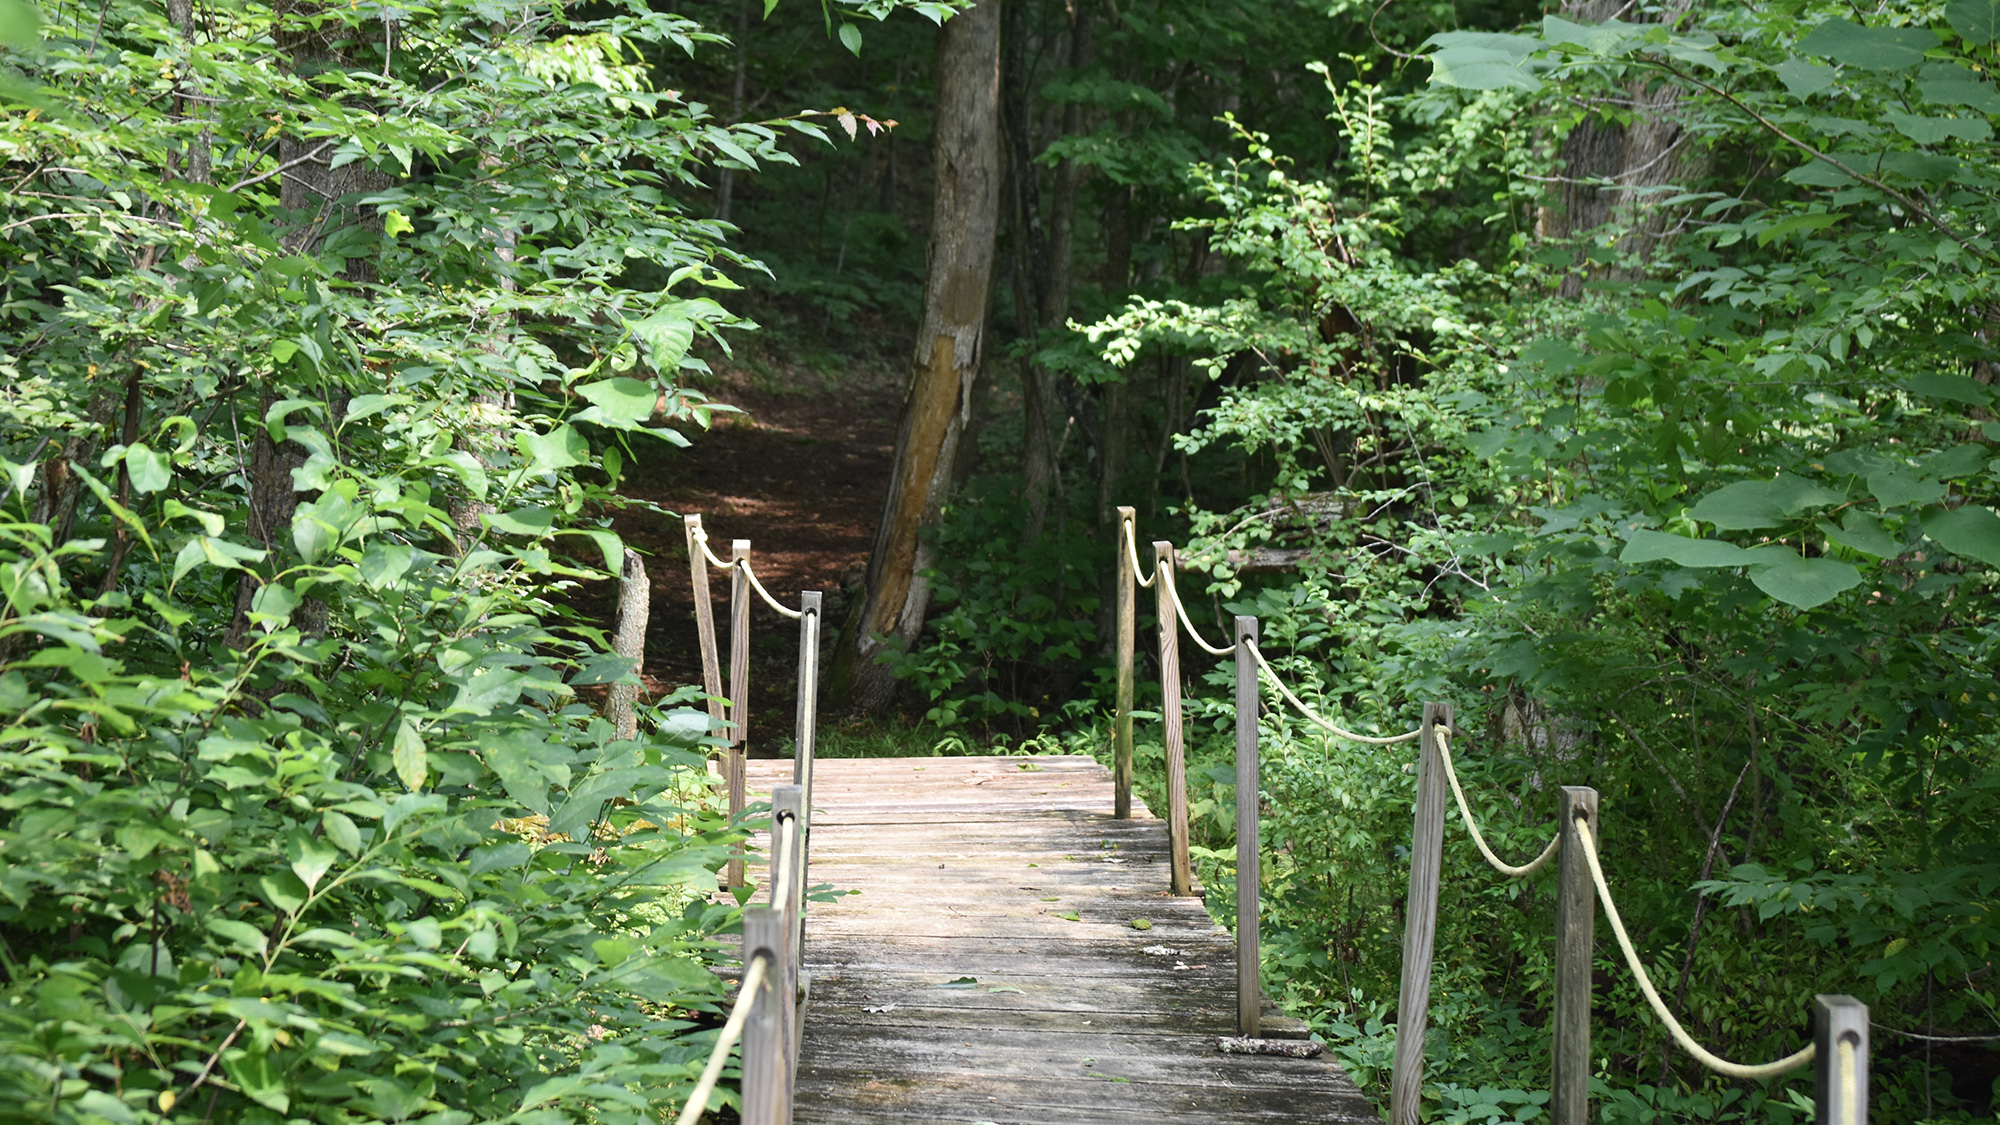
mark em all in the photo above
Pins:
pixel 384 564
pixel 20 24
pixel 1894 486
pixel 1859 531
pixel 1817 220
pixel 341 829
pixel 311 857
pixel 283 892
pixel 1972 531
pixel 261 1080
pixel 1974 20
pixel 408 756
pixel 522 521
pixel 1658 546
pixel 1958 461
pixel 1483 60
pixel 242 935
pixel 1936 130
pixel 272 605
pixel 1955 388
pixel 1803 582
pixel 1871 48
pixel 1950 84
pixel 1751 504
pixel 850 37
pixel 560 448
pixel 148 469
pixel 1803 78
pixel 621 402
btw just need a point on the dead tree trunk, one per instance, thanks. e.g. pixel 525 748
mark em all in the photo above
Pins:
pixel 950 340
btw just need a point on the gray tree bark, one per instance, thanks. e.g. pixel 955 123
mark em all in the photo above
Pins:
pixel 951 339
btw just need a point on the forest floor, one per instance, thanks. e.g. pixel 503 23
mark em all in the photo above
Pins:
pixel 801 474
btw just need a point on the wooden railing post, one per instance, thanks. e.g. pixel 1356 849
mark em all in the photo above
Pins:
pixel 704 625
pixel 1840 1032
pixel 806 727
pixel 1121 730
pixel 1181 878
pixel 788 808
pixel 1249 977
pixel 1576 945
pixel 739 688
pixel 766 1067
pixel 1420 923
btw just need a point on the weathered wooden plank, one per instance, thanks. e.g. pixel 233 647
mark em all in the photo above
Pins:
pixel 970 867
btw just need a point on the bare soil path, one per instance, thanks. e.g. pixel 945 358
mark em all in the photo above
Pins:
pixel 801 474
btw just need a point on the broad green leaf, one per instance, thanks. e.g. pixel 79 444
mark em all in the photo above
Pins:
pixel 149 469
pixel 1752 504
pixel 1859 531
pixel 1974 20
pixel 1871 48
pixel 241 934
pixel 260 1079
pixel 341 829
pixel 272 606
pixel 1803 582
pixel 1658 546
pixel 522 521
pixel 1972 531
pixel 513 759
pixel 1954 388
pixel 311 857
pixel 425 932
pixel 560 448
pixel 1937 130
pixel 408 756
pixel 1958 461
pixel 20 24
pixel 620 402
pixel 850 37
pixel 1815 221
pixel 1950 84
pixel 1803 78
pixel 1479 60
pixel 1894 486
pixel 383 564
pixel 283 891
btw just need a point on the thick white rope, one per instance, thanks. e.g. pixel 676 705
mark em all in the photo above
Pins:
pixel 1680 1035
pixel 1131 538
pixel 701 537
pixel 1173 595
pixel 697 1103
pixel 794 614
pixel 786 829
pixel 1472 826
pixel 1330 728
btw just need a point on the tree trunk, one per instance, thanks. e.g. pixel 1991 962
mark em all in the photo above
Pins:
pixel 950 340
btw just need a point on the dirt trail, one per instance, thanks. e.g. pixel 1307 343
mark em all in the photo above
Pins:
pixel 800 475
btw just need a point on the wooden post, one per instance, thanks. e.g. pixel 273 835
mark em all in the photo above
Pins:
pixel 1840 1032
pixel 1576 946
pixel 704 621
pixel 739 687
pixel 1420 928
pixel 766 1070
pixel 787 804
pixel 621 702
pixel 806 726
pixel 1121 730
pixel 1182 875
pixel 1249 944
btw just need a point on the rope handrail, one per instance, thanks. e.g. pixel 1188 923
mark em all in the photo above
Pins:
pixel 701 537
pixel 1331 728
pixel 1174 596
pixel 1680 1035
pixel 785 830
pixel 739 1014
pixel 1472 826
pixel 794 614
pixel 1131 538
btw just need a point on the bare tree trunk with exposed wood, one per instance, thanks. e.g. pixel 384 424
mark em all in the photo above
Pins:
pixel 951 339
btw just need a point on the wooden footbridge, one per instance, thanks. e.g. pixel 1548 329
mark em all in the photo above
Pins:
pixel 1017 940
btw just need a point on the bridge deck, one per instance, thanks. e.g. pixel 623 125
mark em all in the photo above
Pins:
pixel 988 969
